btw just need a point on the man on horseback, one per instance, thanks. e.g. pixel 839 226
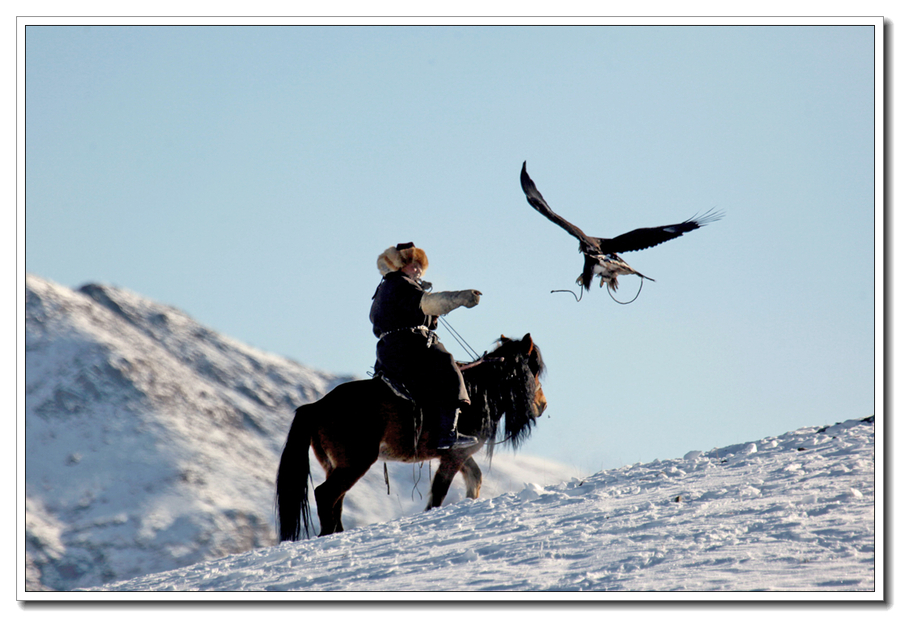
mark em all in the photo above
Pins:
pixel 404 316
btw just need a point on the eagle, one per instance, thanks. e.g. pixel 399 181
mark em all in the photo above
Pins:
pixel 601 254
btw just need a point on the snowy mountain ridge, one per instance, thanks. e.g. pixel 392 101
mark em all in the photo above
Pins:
pixel 151 441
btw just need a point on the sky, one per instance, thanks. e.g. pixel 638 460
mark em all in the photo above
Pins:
pixel 250 176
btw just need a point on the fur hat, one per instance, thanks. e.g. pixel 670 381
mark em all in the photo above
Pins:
pixel 396 257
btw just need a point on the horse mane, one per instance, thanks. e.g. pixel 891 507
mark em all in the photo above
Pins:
pixel 503 386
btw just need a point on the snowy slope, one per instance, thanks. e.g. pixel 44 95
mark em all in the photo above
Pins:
pixel 151 442
pixel 794 513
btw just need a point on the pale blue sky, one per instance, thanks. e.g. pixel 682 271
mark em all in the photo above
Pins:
pixel 251 176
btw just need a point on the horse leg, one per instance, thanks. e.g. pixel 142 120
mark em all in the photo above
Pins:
pixel 442 478
pixel 330 496
pixel 338 511
pixel 472 475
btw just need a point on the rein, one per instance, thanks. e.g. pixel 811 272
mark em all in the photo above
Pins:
pixel 459 339
pixel 481 360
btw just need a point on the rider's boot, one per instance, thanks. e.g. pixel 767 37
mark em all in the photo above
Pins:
pixel 448 437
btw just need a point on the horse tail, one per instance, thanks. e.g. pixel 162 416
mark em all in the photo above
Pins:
pixel 292 482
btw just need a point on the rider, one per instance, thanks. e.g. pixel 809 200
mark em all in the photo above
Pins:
pixel 404 316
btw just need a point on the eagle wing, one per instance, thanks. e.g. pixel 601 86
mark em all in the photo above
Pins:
pixel 537 202
pixel 645 237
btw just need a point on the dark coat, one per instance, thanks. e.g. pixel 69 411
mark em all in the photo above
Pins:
pixel 408 350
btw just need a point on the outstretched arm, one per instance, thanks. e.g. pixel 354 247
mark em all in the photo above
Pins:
pixel 442 302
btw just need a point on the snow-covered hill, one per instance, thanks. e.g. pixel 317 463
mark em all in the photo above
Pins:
pixel 794 513
pixel 151 442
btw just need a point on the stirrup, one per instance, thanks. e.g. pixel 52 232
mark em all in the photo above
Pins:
pixel 456 442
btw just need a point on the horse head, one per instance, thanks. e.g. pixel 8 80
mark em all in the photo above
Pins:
pixel 506 384
pixel 526 349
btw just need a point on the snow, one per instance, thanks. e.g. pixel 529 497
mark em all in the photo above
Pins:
pixel 795 515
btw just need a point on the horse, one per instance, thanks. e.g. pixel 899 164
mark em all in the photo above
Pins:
pixel 360 422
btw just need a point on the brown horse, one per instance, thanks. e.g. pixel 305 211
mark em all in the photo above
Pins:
pixel 359 422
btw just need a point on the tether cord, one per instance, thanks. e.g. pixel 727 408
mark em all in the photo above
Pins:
pixel 459 339
pixel 635 295
pixel 578 297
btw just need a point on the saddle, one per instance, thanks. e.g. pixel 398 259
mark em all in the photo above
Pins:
pixel 402 391
pixel 396 387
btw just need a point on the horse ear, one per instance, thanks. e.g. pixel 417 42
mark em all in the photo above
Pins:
pixel 527 340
